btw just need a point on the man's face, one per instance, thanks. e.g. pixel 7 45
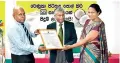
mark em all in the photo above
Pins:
pixel 59 16
pixel 19 15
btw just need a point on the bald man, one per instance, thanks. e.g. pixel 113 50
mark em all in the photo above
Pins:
pixel 20 39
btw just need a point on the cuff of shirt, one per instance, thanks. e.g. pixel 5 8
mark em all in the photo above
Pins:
pixel 36 49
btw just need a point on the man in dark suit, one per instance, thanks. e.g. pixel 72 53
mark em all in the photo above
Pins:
pixel 67 35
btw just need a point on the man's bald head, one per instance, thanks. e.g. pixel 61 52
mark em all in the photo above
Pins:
pixel 15 9
pixel 19 14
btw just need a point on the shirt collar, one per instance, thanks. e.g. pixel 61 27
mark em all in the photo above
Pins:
pixel 59 23
pixel 17 22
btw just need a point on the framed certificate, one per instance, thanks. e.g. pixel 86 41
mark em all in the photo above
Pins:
pixel 50 39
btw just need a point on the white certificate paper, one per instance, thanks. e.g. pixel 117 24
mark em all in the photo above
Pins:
pixel 50 39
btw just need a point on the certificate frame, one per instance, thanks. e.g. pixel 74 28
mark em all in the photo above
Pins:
pixel 48 36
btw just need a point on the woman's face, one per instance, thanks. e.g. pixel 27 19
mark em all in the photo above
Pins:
pixel 92 13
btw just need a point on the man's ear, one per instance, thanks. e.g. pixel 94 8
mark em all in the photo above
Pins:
pixel 13 15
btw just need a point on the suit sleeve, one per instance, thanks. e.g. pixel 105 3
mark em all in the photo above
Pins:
pixel 48 26
pixel 73 36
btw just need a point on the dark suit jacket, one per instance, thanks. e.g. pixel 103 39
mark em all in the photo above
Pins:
pixel 69 38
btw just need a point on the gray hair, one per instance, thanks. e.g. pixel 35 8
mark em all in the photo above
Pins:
pixel 59 9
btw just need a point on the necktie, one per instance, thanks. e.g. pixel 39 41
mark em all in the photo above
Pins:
pixel 28 35
pixel 60 34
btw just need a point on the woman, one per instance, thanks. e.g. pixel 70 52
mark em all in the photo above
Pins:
pixel 93 38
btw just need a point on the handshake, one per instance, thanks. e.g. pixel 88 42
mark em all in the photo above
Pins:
pixel 43 48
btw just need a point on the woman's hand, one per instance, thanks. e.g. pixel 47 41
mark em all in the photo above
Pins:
pixel 66 47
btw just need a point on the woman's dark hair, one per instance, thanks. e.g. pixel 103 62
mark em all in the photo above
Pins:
pixel 96 7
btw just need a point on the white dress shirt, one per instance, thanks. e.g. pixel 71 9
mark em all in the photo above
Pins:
pixel 19 42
